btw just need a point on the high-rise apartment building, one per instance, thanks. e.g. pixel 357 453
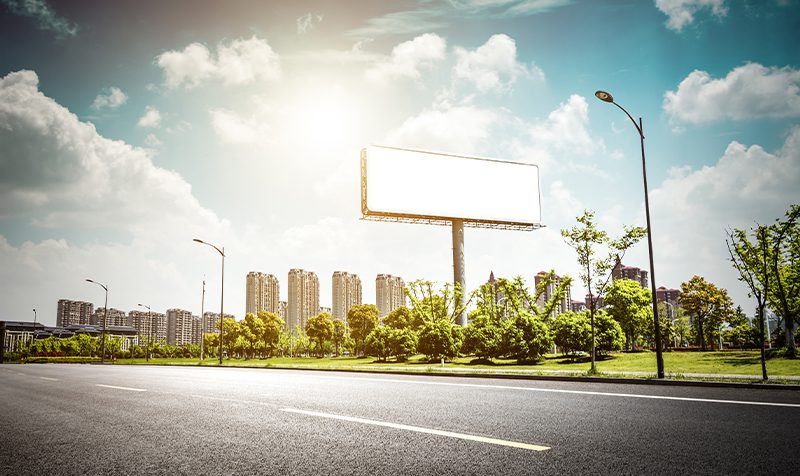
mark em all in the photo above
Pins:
pixel 73 312
pixel 145 323
pixel 346 293
pixel 180 327
pixel 262 292
pixel 115 317
pixel 564 304
pixel 389 293
pixel 303 297
pixel 282 305
pixel 670 297
pixel 639 275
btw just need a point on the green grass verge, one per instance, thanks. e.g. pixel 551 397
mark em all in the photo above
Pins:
pixel 679 363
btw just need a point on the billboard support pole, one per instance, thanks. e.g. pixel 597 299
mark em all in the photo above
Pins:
pixel 458 268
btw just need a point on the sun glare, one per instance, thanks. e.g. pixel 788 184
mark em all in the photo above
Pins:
pixel 321 116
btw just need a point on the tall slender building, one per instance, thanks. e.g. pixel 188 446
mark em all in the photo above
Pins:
pixel 389 293
pixel 303 297
pixel 180 327
pixel 346 293
pixel 149 324
pixel 73 312
pixel 564 304
pixel 262 293
pixel 115 317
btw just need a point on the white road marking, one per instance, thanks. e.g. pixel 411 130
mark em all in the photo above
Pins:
pixel 122 388
pixel 49 378
pixel 576 392
pixel 419 429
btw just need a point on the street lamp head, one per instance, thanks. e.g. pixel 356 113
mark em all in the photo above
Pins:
pixel 604 96
pixel 199 240
pixel 89 280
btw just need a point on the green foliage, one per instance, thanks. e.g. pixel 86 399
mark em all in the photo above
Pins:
pixel 339 335
pixel 377 343
pixel 595 271
pixel 320 329
pixel 402 318
pixel 403 343
pixel 230 334
pixel 572 332
pixel 271 332
pixel 608 333
pixel 483 336
pixel 709 305
pixel 361 319
pixel 526 338
pixel 631 305
pixel 431 302
pixel 440 339
pixel 743 336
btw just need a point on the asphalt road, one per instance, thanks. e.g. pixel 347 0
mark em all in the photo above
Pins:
pixel 90 419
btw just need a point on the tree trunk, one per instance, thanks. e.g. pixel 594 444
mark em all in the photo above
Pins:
pixel 702 333
pixel 763 337
pixel 791 348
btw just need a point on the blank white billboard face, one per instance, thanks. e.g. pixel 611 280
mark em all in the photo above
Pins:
pixel 417 183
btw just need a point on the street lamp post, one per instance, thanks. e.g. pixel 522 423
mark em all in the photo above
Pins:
pixel 202 318
pixel 222 292
pixel 105 317
pixel 606 97
pixel 150 336
pixel 33 336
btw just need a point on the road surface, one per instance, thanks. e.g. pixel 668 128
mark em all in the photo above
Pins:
pixel 92 419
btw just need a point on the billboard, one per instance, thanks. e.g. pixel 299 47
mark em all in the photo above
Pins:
pixel 431 187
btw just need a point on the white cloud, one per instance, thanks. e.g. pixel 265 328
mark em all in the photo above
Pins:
pixel 233 129
pixel 308 22
pixel 401 23
pixel 681 12
pixel 463 129
pixel 692 208
pixel 151 118
pixel 47 18
pixel 749 91
pixel 61 172
pixel 241 61
pixel 409 58
pixel 152 141
pixel 493 66
pixel 112 99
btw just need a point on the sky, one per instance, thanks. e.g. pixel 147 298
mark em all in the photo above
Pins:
pixel 129 128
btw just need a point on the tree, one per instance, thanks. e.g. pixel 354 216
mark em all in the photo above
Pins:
pixel 361 319
pixel 526 338
pixel 630 305
pixel 230 334
pixel 252 329
pixel 440 338
pixel 299 342
pixel 319 329
pixel 271 332
pixel 483 336
pixel 572 332
pixel 377 343
pixel 432 302
pixel 709 305
pixel 609 336
pixel 402 318
pixel 403 342
pixel 211 344
pixel 339 335
pixel 587 240
pixel 784 290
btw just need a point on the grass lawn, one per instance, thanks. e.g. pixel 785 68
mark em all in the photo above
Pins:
pixel 719 363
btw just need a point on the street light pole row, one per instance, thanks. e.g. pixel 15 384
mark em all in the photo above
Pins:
pixel 105 317
pixel 150 337
pixel 606 97
pixel 222 292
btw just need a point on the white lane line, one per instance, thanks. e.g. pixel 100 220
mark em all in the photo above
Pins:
pixel 233 400
pixel 122 388
pixel 49 378
pixel 419 429
pixel 576 392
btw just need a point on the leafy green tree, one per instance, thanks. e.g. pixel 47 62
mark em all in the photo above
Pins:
pixel 630 305
pixel 709 305
pixel 252 330
pixel 526 338
pixel 588 240
pixel 483 336
pixel 230 333
pixel 299 341
pixel 377 343
pixel 572 332
pixel 432 302
pixel 273 326
pixel 743 336
pixel 361 319
pixel 440 338
pixel 784 287
pixel 402 318
pixel 86 344
pixel 339 335
pixel 211 344
pixel 403 343
pixel 320 329
pixel 609 336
